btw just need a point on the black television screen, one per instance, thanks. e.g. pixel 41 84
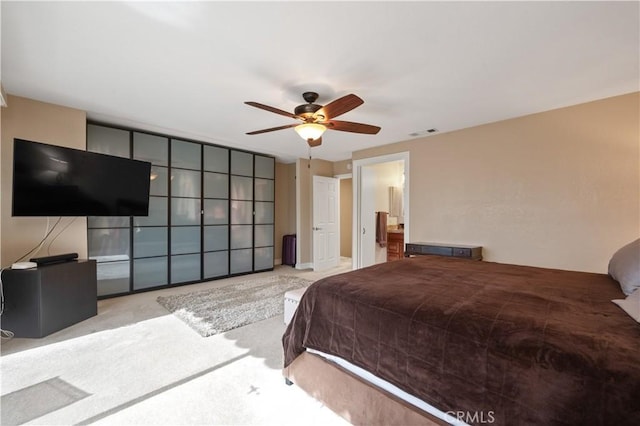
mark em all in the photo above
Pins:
pixel 51 180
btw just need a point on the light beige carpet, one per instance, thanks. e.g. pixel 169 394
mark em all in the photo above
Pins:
pixel 137 364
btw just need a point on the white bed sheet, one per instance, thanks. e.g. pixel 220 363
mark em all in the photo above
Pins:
pixel 392 389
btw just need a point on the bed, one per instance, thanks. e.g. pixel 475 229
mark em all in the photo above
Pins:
pixel 481 342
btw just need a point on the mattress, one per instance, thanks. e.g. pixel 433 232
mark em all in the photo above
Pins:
pixel 391 388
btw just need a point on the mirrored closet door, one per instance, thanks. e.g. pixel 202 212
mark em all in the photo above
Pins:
pixel 211 214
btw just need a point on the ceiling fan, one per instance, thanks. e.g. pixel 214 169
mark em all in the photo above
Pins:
pixel 317 118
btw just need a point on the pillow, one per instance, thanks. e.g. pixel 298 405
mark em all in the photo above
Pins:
pixel 631 305
pixel 624 267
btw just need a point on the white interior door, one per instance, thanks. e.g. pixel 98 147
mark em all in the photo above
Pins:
pixel 367 232
pixel 364 219
pixel 326 222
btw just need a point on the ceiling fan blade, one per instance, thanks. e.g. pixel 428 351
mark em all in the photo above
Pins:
pixel 339 106
pixel 257 132
pixel 272 109
pixel 315 142
pixel 348 126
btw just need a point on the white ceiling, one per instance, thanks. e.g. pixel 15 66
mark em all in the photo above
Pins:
pixel 186 68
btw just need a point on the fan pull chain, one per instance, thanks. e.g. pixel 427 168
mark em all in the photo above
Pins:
pixel 309 164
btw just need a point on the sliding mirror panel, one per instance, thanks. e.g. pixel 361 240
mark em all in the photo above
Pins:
pixel 150 233
pixel 109 238
pixel 216 212
pixel 186 208
pixel 241 212
pixel 264 206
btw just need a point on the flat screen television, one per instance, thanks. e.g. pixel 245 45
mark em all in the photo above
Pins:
pixel 51 180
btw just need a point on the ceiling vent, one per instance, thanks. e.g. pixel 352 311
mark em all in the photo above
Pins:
pixel 423 132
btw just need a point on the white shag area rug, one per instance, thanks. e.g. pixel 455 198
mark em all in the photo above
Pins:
pixel 221 309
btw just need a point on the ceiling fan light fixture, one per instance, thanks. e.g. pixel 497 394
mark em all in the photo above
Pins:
pixel 310 130
pixel 316 119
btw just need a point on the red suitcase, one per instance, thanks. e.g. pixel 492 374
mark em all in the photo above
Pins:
pixel 289 250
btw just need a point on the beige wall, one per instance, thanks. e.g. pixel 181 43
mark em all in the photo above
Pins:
pixel 41 122
pixel 558 189
pixel 346 216
pixel 342 167
pixel 285 206
pixel 304 191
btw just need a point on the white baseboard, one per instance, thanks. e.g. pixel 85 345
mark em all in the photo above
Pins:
pixel 304 265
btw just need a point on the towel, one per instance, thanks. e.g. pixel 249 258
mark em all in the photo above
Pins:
pixel 381 228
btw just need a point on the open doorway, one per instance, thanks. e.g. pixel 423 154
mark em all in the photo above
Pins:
pixel 346 215
pixel 377 184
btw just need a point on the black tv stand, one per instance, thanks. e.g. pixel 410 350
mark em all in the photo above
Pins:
pixel 57 258
pixel 43 300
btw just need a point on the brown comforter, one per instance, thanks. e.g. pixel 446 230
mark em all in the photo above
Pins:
pixel 513 344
